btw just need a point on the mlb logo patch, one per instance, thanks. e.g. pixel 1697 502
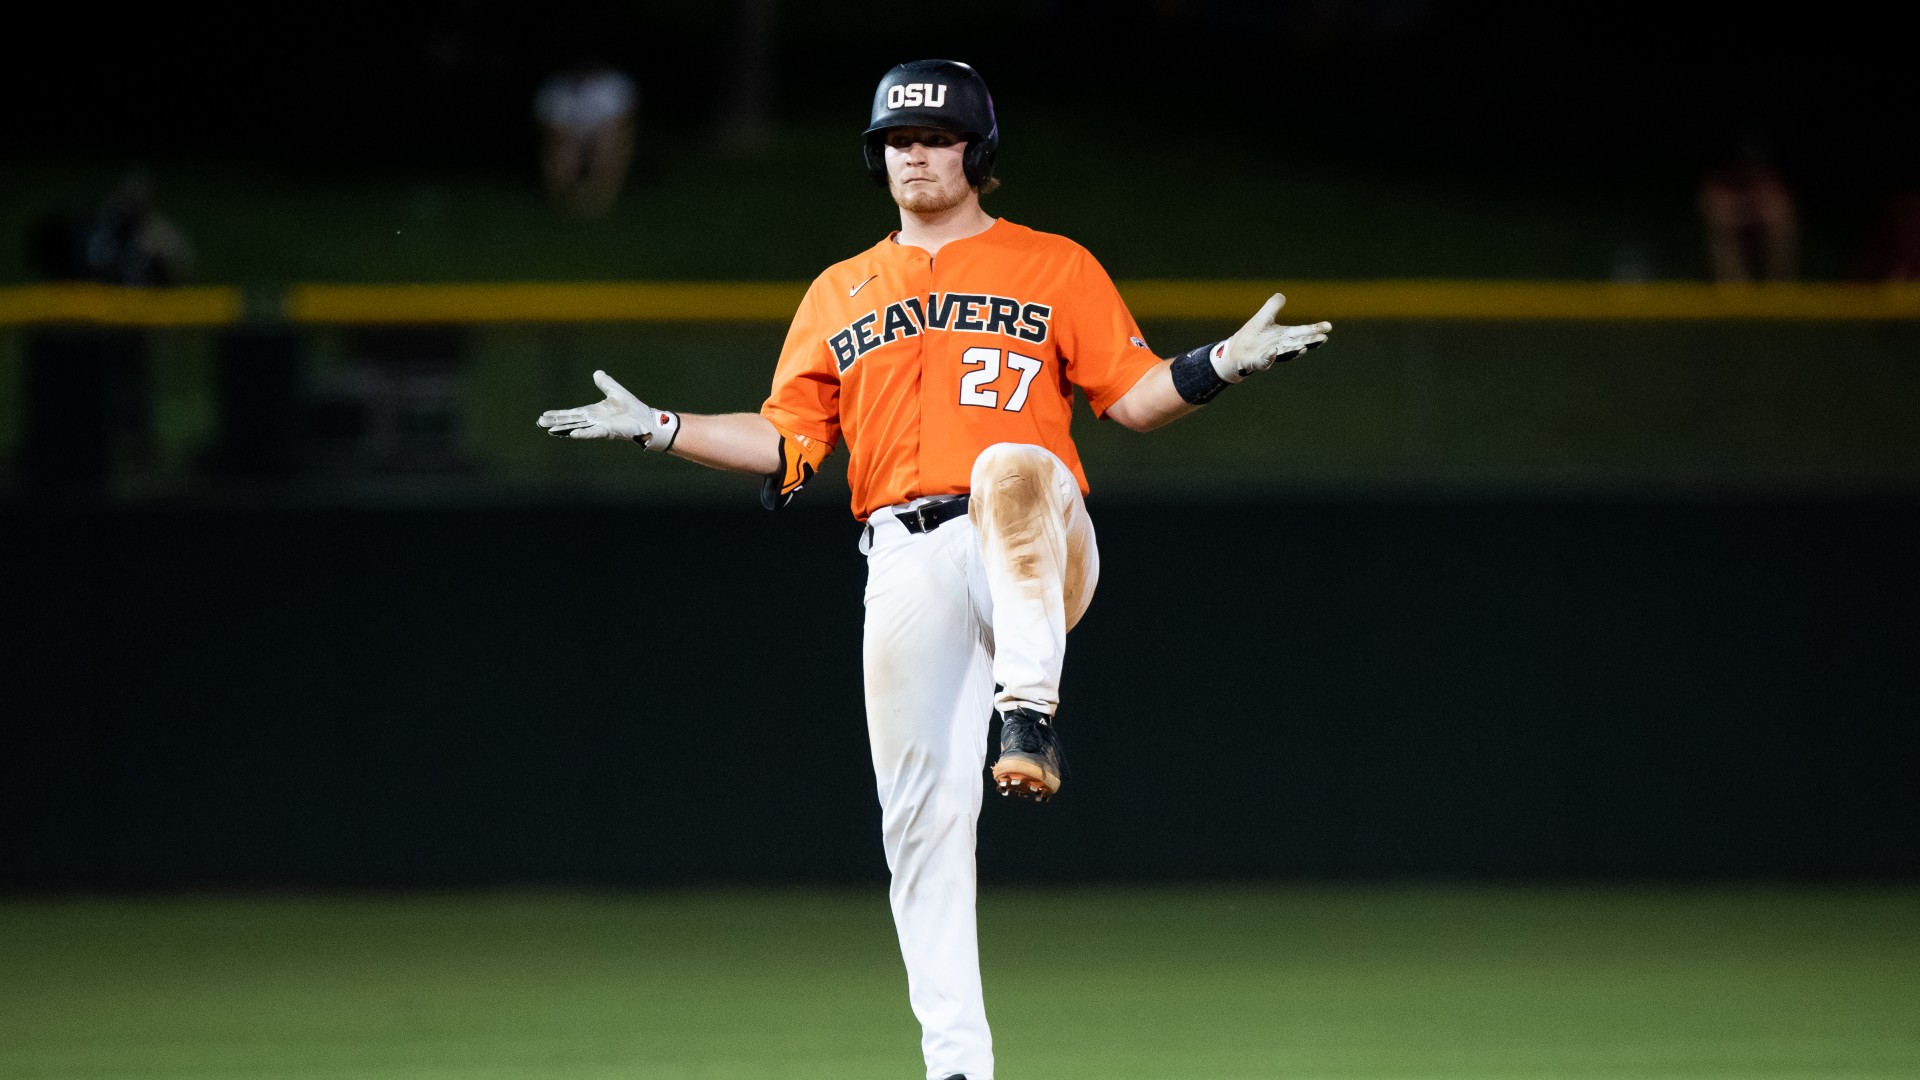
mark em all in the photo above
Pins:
pixel 1137 343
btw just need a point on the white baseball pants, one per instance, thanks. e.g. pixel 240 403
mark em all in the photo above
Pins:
pixel 984 599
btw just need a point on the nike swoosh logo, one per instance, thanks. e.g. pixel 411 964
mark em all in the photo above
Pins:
pixel 860 286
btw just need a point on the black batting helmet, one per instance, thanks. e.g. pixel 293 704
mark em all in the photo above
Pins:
pixel 944 94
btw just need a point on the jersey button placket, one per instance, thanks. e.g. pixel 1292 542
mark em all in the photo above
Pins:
pixel 926 283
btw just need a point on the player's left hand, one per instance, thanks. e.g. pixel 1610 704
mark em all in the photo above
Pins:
pixel 619 416
pixel 1263 343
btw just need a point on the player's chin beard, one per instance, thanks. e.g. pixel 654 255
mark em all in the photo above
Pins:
pixel 928 198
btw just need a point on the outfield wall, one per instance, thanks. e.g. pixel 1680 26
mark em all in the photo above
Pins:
pixel 571 693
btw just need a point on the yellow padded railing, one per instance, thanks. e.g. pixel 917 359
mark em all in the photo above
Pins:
pixel 774 302
pixel 111 305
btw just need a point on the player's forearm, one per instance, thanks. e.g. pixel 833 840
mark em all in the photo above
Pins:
pixel 1153 402
pixel 1173 388
pixel 742 442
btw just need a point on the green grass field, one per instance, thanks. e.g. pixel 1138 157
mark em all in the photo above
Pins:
pixel 1188 983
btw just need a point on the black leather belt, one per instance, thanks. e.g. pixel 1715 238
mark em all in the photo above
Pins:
pixel 930 516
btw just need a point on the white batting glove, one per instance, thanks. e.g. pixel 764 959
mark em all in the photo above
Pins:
pixel 1263 343
pixel 620 416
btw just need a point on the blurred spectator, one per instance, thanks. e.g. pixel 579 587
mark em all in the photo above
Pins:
pixel 89 389
pixel 1751 220
pixel 588 115
pixel 124 240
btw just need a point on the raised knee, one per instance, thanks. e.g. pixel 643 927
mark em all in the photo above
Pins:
pixel 1003 462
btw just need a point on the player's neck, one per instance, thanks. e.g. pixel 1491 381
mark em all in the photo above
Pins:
pixel 934 231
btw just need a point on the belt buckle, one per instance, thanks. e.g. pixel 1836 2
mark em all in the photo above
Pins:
pixel 919 515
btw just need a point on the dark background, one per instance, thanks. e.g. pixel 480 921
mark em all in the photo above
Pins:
pixel 1535 94
pixel 1434 109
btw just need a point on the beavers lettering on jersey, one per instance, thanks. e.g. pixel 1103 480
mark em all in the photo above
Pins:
pixel 968 312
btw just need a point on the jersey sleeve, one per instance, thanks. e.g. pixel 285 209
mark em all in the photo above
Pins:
pixel 1104 351
pixel 805 399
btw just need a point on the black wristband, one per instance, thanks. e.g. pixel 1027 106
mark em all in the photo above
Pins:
pixel 1194 377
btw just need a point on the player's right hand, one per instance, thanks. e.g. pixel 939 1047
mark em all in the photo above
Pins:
pixel 1262 343
pixel 619 416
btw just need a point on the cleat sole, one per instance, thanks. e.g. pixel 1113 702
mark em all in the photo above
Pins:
pixel 1026 779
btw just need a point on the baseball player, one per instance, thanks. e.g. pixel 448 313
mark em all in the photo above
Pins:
pixel 945 358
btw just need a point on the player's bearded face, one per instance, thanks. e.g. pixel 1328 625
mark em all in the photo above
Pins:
pixel 925 171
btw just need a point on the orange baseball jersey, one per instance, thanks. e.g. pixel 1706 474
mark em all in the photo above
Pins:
pixel 922 362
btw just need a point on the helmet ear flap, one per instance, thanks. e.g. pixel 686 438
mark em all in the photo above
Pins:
pixel 978 161
pixel 876 160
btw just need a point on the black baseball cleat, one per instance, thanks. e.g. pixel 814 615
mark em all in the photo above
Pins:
pixel 1030 763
